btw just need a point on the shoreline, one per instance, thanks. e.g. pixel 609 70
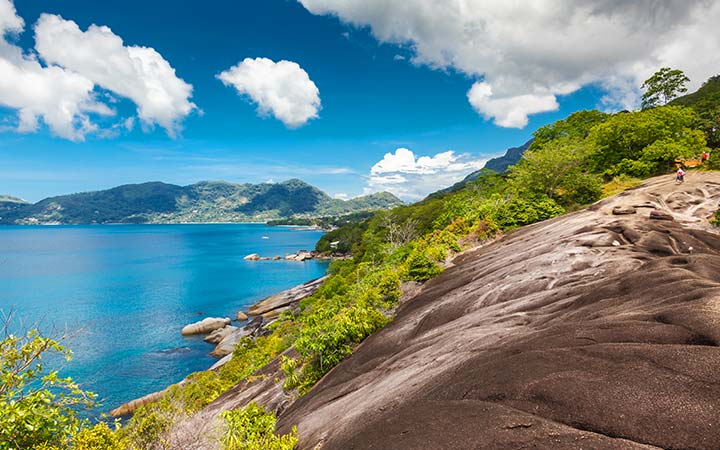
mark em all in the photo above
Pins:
pixel 257 317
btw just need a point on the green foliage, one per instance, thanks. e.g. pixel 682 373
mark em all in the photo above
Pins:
pixel 646 142
pixel 575 127
pixel 37 407
pixel 100 437
pixel 706 103
pixel 619 184
pixel 520 211
pixel 421 266
pixel 558 170
pixel 663 86
pixel 252 428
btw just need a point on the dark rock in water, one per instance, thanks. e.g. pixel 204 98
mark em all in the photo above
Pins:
pixel 172 351
pixel 623 210
pixel 660 215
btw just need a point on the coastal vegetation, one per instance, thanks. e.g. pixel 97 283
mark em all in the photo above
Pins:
pixel 569 164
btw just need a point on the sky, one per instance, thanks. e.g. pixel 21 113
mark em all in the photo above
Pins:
pixel 354 97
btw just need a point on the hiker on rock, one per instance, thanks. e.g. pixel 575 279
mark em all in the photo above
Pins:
pixel 680 176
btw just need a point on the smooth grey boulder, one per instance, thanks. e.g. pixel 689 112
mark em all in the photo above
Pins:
pixel 205 326
pixel 228 344
pixel 218 335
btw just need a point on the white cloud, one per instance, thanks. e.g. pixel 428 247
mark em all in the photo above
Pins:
pixel 138 73
pixel 341 196
pixel 282 89
pixel 525 54
pixel 62 92
pixel 412 178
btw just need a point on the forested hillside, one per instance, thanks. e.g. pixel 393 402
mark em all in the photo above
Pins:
pixel 207 201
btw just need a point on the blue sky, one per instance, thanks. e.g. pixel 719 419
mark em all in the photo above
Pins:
pixel 374 99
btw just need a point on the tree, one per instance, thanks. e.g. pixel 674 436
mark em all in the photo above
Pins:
pixel 558 171
pixel 663 86
pixel 37 407
pixel 644 143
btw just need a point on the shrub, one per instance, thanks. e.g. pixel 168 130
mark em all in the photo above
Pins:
pixel 37 407
pixel 421 267
pixel 252 428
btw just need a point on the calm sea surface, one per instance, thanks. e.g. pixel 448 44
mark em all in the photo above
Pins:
pixel 127 291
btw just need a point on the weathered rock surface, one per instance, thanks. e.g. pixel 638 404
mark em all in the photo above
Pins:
pixel 205 326
pixel 252 257
pixel 285 298
pixel 227 345
pixel 623 210
pixel 218 335
pixel 661 215
pixel 543 340
pixel 241 316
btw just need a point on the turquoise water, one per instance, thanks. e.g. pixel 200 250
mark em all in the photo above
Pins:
pixel 126 291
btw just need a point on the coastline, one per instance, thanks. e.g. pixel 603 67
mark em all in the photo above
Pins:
pixel 257 318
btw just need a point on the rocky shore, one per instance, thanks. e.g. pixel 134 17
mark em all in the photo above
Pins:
pixel 302 255
pixel 221 333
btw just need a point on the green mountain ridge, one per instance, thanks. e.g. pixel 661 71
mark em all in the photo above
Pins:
pixel 206 201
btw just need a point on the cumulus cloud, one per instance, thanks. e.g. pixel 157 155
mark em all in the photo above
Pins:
pixel 412 178
pixel 282 89
pixel 62 92
pixel 63 99
pixel 138 73
pixel 526 54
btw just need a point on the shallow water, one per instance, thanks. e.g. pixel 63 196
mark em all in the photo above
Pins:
pixel 126 291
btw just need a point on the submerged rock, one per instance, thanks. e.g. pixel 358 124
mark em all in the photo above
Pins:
pixel 205 326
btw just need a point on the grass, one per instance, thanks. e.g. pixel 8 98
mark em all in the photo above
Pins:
pixel 619 184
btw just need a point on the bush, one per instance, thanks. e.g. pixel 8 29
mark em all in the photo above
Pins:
pixel 252 428
pixel 37 407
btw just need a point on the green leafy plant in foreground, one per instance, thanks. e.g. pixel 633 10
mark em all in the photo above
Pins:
pixel 37 406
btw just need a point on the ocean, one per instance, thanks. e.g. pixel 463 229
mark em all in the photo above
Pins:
pixel 124 292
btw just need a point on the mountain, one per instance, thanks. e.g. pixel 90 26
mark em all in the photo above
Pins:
pixel 207 201
pixel 500 164
pixel 8 203
pixel 710 90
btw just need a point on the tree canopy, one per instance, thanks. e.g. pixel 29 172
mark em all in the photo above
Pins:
pixel 663 86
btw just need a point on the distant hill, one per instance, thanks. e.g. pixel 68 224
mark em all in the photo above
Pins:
pixel 8 203
pixel 500 164
pixel 709 91
pixel 207 201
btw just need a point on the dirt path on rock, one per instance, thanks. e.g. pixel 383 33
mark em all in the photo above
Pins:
pixel 592 330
